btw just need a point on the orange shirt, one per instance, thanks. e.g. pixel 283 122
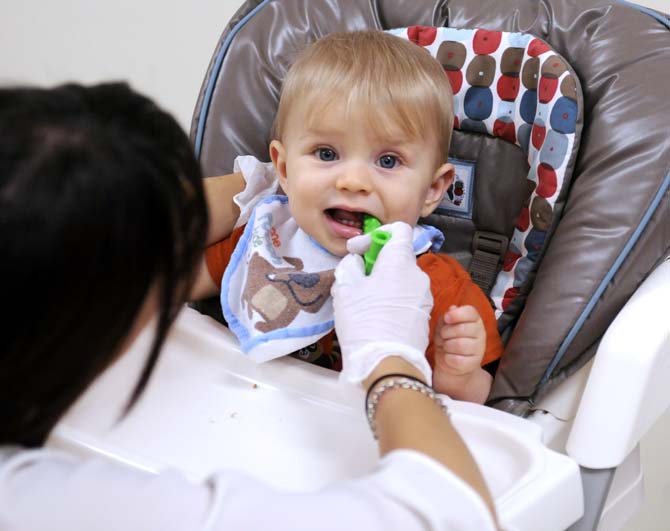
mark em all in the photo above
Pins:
pixel 450 285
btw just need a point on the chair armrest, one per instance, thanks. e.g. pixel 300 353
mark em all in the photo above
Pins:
pixel 629 385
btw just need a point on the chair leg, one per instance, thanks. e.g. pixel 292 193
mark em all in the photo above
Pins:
pixel 596 484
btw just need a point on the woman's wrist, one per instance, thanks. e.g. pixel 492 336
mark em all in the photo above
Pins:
pixel 389 383
pixel 393 365
pixel 405 418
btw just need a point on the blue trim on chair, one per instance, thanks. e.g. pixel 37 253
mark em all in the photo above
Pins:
pixel 204 109
pixel 663 20
pixel 608 277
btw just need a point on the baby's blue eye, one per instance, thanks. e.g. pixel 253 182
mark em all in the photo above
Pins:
pixel 388 161
pixel 326 154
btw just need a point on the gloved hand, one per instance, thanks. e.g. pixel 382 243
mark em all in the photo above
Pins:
pixel 386 313
pixel 261 182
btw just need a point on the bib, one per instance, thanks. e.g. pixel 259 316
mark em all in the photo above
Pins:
pixel 275 292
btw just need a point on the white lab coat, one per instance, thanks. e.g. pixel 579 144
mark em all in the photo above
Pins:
pixel 46 490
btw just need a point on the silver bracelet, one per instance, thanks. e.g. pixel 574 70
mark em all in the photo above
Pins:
pixel 392 381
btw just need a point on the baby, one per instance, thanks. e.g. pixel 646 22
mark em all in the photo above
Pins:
pixel 363 127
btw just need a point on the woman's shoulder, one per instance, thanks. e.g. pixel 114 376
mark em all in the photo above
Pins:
pixel 48 489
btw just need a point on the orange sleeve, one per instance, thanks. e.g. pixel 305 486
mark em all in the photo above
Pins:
pixel 450 284
pixel 218 255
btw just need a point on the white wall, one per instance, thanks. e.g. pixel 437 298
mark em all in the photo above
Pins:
pixel 660 5
pixel 161 46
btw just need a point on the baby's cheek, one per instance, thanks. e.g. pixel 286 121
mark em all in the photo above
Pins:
pixel 406 215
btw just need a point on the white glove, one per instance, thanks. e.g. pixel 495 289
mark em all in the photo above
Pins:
pixel 386 313
pixel 261 182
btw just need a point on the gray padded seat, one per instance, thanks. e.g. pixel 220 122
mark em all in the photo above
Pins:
pixel 611 221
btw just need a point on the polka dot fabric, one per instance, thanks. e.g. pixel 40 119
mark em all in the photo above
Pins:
pixel 515 87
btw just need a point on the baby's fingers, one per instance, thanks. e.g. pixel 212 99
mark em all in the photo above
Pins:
pixel 457 364
pixel 460 346
pixel 467 330
pixel 461 314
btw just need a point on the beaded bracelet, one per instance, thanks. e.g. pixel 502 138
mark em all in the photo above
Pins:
pixel 395 381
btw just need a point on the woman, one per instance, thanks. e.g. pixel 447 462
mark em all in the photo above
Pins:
pixel 103 220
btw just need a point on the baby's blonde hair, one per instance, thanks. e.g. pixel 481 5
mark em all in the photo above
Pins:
pixel 389 77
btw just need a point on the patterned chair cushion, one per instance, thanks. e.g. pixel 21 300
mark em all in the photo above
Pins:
pixel 515 87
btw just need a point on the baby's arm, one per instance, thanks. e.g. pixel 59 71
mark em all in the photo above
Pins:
pixel 460 344
pixel 223 213
pixel 230 200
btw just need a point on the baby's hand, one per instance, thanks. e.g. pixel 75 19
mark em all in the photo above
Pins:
pixel 460 343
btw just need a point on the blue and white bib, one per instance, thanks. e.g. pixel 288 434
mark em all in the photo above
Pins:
pixel 275 292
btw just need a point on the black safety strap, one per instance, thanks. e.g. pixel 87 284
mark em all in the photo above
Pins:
pixel 488 250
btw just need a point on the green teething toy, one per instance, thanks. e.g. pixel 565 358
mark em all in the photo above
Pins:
pixel 378 239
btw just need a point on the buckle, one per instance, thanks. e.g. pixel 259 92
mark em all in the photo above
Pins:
pixel 490 242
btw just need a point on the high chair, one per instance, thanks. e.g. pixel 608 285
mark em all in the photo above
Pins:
pixel 560 211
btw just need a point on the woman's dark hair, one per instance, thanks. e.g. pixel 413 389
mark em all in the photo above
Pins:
pixel 101 203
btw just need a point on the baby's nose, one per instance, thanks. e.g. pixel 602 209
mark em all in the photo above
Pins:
pixel 355 178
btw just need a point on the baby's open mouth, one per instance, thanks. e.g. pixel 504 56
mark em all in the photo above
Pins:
pixel 346 217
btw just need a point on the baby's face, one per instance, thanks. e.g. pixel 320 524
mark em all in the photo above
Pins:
pixel 339 169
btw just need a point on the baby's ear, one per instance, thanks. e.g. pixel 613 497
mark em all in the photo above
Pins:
pixel 278 157
pixel 442 179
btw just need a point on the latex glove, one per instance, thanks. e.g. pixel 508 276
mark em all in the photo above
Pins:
pixel 261 182
pixel 386 313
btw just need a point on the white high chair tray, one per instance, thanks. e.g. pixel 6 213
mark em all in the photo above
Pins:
pixel 291 424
